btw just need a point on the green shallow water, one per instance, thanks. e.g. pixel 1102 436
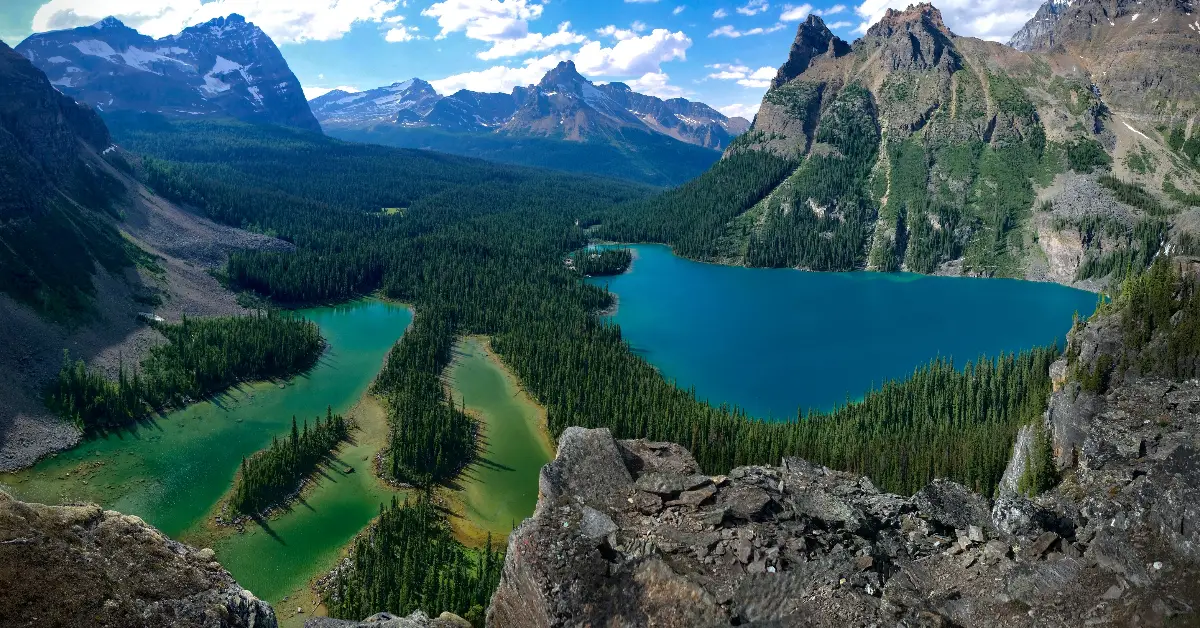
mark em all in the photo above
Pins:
pixel 502 488
pixel 173 471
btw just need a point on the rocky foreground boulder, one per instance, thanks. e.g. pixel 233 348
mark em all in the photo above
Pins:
pixel 75 566
pixel 631 533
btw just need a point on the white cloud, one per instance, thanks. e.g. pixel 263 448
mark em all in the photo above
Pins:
pixel 733 33
pixel 840 25
pixel 533 42
pixel 833 10
pixel 638 26
pixel 294 21
pixel 656 84
pixel 400 32
pixel 743 111
pixel 754 7
pixel 720 14
pixel 996 20
pixel 484 20
pixel 616 33
pixel 500 78
pixel 677 10
pixel 759 79
pixel 634 56
pixel 316 92
pixel 728 71
pixel 797 13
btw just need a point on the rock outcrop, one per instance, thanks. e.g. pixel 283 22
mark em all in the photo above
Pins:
pixel 85 566
pixel 629 533
pixel 388 620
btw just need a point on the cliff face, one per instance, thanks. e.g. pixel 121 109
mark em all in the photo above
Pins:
pixel 84 566
pixel 630 533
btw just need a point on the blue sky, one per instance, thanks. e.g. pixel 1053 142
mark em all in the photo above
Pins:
pixel 717 51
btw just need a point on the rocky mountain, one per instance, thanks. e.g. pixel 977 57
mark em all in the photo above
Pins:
pixel 631 532
pixel 1039 30
pixel 225 67
pixel 81 565
pixel 407 101
pixel 563 105
pixel 466 110
pixel 565 122
pixel 915 148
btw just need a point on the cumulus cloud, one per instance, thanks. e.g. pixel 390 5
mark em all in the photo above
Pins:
pixel 316 92
pixel 399 32
pixel 294 21
pixel 533 42
pixel 733 33
pixel 720 14
pixel 634 56
pixel 500 78
pixel 656 84
pixel 754 7
pixel 739 111
pixel 833 10
pixel 743 75
pixel 996 20
pixel 796 13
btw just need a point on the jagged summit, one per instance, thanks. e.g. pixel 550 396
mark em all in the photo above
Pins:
pixel 225 67
pixel 924 16
pixel 1040 28
pixel 563 74
pixel 813 38
pixel 109 22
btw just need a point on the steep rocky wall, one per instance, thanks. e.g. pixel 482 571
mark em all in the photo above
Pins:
pixel 83 566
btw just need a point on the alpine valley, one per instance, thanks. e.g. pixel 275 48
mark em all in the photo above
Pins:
pixel 359 361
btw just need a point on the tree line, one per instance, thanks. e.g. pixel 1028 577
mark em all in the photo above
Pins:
pixel 273 474
pixel 200 357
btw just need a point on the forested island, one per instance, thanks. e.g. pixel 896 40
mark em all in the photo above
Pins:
pixel 201 357
pixel 271 476
pixel 600 262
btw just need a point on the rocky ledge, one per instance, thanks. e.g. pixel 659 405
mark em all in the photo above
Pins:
pixel 84 566
pixel 631 533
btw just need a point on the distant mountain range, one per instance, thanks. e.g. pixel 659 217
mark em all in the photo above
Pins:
pixel 564 122
pixel 563 105
pixel 225 67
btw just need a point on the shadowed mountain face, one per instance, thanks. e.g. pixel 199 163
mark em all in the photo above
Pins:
pixel 53 190
pixel 226 67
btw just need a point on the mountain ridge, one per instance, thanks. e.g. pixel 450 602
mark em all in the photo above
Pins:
pixel 562 105
pixel 914 148
pixel 224 67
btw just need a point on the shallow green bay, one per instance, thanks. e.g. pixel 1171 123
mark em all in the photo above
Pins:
pixel 502 488
pixel 173 471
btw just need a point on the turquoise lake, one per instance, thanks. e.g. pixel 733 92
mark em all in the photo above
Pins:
pixel 775 341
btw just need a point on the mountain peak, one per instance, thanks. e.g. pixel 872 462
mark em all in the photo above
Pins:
pixel 924 16
pixel 109 22
pixel 562 74
pixel 813 39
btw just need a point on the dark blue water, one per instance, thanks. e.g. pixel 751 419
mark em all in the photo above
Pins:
pixel 775 341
